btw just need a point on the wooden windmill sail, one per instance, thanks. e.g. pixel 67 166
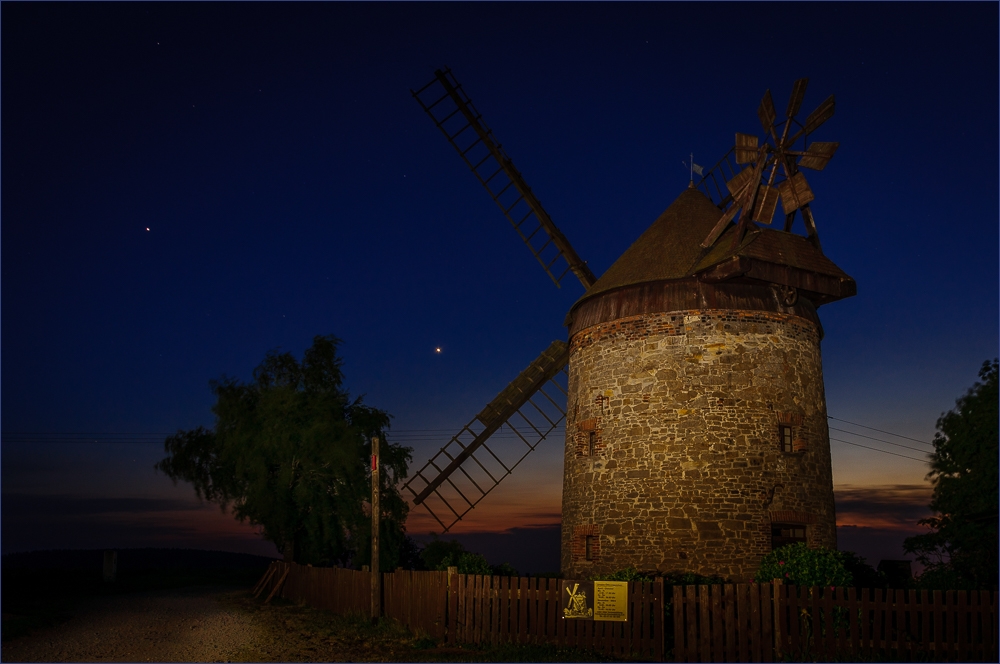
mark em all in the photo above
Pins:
pixel 754 176
pixel 532 406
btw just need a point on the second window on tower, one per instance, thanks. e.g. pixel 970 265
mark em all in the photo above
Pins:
pixel 785 437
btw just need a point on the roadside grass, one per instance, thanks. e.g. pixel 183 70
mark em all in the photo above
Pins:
pixel 303 633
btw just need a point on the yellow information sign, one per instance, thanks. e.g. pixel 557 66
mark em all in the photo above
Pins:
pixel 611 600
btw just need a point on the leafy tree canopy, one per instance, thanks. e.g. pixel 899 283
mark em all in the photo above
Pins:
pixel 290 452
pixel 961 549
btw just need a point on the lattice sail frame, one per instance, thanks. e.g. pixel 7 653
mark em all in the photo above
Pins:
pixel 447 104
pixel 517 420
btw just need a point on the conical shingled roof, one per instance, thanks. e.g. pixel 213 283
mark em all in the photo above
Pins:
pixel 671 249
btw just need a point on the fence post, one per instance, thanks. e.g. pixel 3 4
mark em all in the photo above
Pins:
pixel 451 619
pixel 776 597
pixel 659 618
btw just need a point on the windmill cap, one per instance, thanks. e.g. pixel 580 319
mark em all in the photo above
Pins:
pixel 670 249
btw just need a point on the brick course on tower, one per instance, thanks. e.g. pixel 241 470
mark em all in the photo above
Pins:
pixel 696 433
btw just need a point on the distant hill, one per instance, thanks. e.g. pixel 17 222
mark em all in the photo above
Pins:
pixel 134 560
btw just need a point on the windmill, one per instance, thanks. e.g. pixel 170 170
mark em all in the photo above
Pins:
pixel 701 340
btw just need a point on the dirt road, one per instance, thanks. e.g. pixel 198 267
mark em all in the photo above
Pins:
pixel 188 625
pixel 201 624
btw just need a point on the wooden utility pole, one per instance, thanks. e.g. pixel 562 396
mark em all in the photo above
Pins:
pixel 375 568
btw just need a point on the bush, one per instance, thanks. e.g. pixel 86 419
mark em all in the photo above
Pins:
pixel 798 564
pixel 690 579
pixel 504 569
pixel 467 563
pixel 627 574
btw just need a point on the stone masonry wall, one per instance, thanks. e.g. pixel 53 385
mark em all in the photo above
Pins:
pixel 673 460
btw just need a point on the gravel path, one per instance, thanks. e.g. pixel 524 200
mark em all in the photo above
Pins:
pixel 188 625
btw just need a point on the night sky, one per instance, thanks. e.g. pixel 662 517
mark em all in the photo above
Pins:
pixel 187 186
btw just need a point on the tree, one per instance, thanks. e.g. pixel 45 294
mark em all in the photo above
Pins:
pixel 290 453
pixel 863 574
pixel 440 555
pixel 961 550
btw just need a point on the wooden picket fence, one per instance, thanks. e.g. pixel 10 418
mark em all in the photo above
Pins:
pixel 476 609
pixel 491 609
pixel 418 600
pixel 717 623
pixel 723 623
pixel 909 625
pixel 338 590
pixel 764 623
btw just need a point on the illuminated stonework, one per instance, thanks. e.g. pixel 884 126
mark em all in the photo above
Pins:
pixel 688 472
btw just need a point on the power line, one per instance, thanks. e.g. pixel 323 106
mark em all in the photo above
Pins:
pixel 887 442
pixel 880 431
pixel 878 450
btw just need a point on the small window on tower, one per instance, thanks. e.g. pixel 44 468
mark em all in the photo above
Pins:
pixel 786 533
pixel 591 441
pixel 785 436
pixel 589 543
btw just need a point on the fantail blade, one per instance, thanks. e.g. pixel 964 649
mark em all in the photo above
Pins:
pixel 822 113
pixel 795 193
pixel 767 202
pixel 766 113
pixel 739 182
pixel 798 92
pixel 818 155
pixel 746 148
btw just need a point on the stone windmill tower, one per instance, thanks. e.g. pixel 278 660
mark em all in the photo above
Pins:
pixel 696 431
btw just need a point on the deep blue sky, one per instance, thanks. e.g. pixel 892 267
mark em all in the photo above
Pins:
pixel 292 187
